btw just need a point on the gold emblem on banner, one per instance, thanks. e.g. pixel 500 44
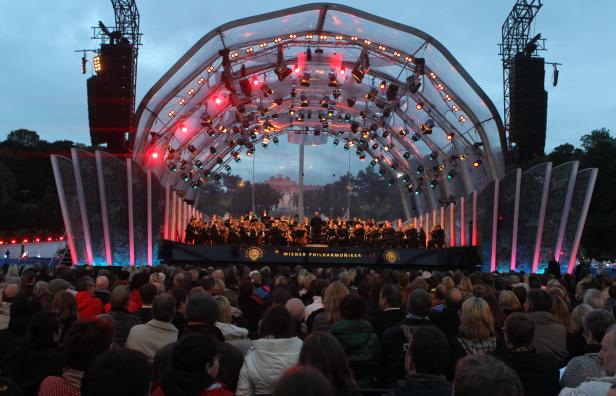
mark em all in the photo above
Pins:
pixel 391 256
pixel 254 253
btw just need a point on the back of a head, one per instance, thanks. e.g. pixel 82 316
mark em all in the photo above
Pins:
pixel 85 341
pixel 277 322
pixel 540 300
pixel 597 322
pixel 520 329
pixel 121 372
pixel 440 292
pixel 420 302
pixel 28 279
pixel 353 307
pixel 303 381
pixel 84 283
pixel 193 353
pixel 429 350
pixel 102 282
pixel 120 297
pixel 280 296
pixel 42 328
pixel 323 351
pixel 163 307
pixel 295 306
pixel 454 299
pixel 484 375
pixel 594 298
pixel 147 292
pixel 202 308
pixel 318 287
pixel 139 279
pixel 392 294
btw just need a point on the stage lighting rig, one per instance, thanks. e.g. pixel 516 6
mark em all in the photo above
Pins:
pixel 324 102
pixel 413 82
pixel 304 101
pixel 392 92
pixel 361 67
pixel 305 81
pixel 333 81
pixel 266 90
pixel 350 102
pixel 281 70
pixel 336 94
pixel 427 126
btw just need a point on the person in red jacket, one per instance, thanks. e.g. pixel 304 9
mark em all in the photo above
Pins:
pixel 194 368
pixel 88 306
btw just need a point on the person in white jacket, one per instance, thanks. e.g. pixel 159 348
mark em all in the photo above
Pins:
pixel 270 356
pixel 234 335
pixel 599 386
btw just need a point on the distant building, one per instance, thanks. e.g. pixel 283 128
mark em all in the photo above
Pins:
pixel 286 185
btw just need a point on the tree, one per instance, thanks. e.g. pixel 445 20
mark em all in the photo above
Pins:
pixel 24 137
pixel 564 153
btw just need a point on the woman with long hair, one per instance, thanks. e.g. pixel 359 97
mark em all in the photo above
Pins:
pixel 234 335
pixel 332 298
pixel 509 303
pixel 323 351
pixel 64 306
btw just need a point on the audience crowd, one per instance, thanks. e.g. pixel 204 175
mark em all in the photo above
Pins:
pixel 191 330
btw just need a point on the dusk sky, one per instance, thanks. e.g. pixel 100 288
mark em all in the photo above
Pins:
pixel 43 88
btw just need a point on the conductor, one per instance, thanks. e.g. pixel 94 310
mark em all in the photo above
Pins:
pixel 315 228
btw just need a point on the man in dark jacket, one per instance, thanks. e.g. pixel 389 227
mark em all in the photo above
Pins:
pixel 147 292
pixel 426 361
pixel 392 352
pixel 537 371
pixel 446 318
pixel 119 299
pixel 391 314
pixel 201 316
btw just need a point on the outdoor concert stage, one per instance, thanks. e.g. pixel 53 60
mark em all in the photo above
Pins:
pixel 448 258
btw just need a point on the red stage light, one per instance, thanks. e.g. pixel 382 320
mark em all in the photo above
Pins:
pixel 25 240
pixel 342 71
pixel 13 241
pixel 255 81
pixel 1 242
pixel 218 100
pixel 37 240
pixel 155 155
pixel 184 129
pixel 61 238
pixel 49 239
pixel 297 70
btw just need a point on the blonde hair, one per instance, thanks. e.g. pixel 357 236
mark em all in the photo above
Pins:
pixel 448 282
pixel 466 286
pixel 575 319
pixel 476 320
pixel 219 286
pixel 509 302
pixel 224 309
pixel 332 297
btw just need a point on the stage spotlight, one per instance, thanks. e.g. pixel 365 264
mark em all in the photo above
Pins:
pixel 185 177
pixel 254 81
pixel 418 191
pixel 385 133
pixel 213 150
pixel 362 157
pixel 336 142
pixel 354 126
pixel 381 172
pixel 300 116
pixel 405 179
pixel 392 92
pixel 451 174
pixel 293 93
pixel 427 126
pixel 275 140
pixel 382 85
pixel 184 129
pixel 219 160
pixel 278 101
pixel 450 136
pixel 347 118
pixel 346 147
pixel 199 164
pixel 333 81
pixel 228 168
pixel 267 91
pixel 375 146
pixel 433 183
pixel 358 74
pixel 304 101
pixel 282 71
pixel 419 170
pixel 413 83
pixel 192 149
pixel 325 126
pixel 336 94
pixel 386 147
pixel 305 81
pixel 433 155
pixel 292 110
pixel 419 105
pixel 350 102
pixel 477 163
pixel 406 155
pixel 415 138
pixel 194 185
pixel 324 102
pixel 172 167
pixel 330 112
pixel 372 94
pixel 403 132
pixel 391 182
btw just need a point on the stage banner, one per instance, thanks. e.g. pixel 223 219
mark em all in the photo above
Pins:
pixel 463 257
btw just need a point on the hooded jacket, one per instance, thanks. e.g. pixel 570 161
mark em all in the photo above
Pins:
pixel 88 306
pixel 357 339
pixel 235 335
pixel 266 363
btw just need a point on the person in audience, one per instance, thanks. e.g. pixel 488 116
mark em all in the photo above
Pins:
pixel 120 372
pixel 147 292
pixel 304 381
pixel 332 297
pixel 276 351
pixel 323 351
pixel 139 279
pixel 537 371
pixel 124 321
pixel 295 306
pixel 594 298
pixel 64 306
pixel 234 335
pixel 42 294
pixel 102 289
pixel 201 316
pixel 23 307
pixel 390 302
pixel 550 336
pixel 6 299
pixel 86 340
pixel 508 302
pixel 581 368
pixel 427 357
pixel 35 356
pixel 392 354
pixel 448 319
pixel 484 375
pixel 179 320
pixel 88 306
pixel 576 343
pixel 600 385
pixel 477 335
pixel 317 288
pixel 194 369
pixel 251 309
pixel 148 338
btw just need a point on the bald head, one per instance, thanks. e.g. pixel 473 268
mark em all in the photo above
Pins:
pixel 10 291
pixel 295 306
pixel 454 299
pixel 102 282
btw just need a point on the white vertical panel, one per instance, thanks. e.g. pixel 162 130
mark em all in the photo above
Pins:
pixel 131 224
pixel 452 225
pixel 149 202
pixel 173 219
pixel 494 225
pixel 103 198
pixel 462 221
pixel 542 210
pixel 167 212
pixel 565 216
pixel 474 214
pixel 582 221
pixel 64 207
pixel 516 217
pixel 82 206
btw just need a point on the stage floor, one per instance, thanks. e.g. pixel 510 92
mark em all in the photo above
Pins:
pixel 447 258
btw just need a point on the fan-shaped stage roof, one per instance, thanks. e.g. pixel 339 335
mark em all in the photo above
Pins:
pixel 321 72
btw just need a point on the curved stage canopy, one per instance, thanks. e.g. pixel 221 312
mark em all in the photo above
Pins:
pixel 387 91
